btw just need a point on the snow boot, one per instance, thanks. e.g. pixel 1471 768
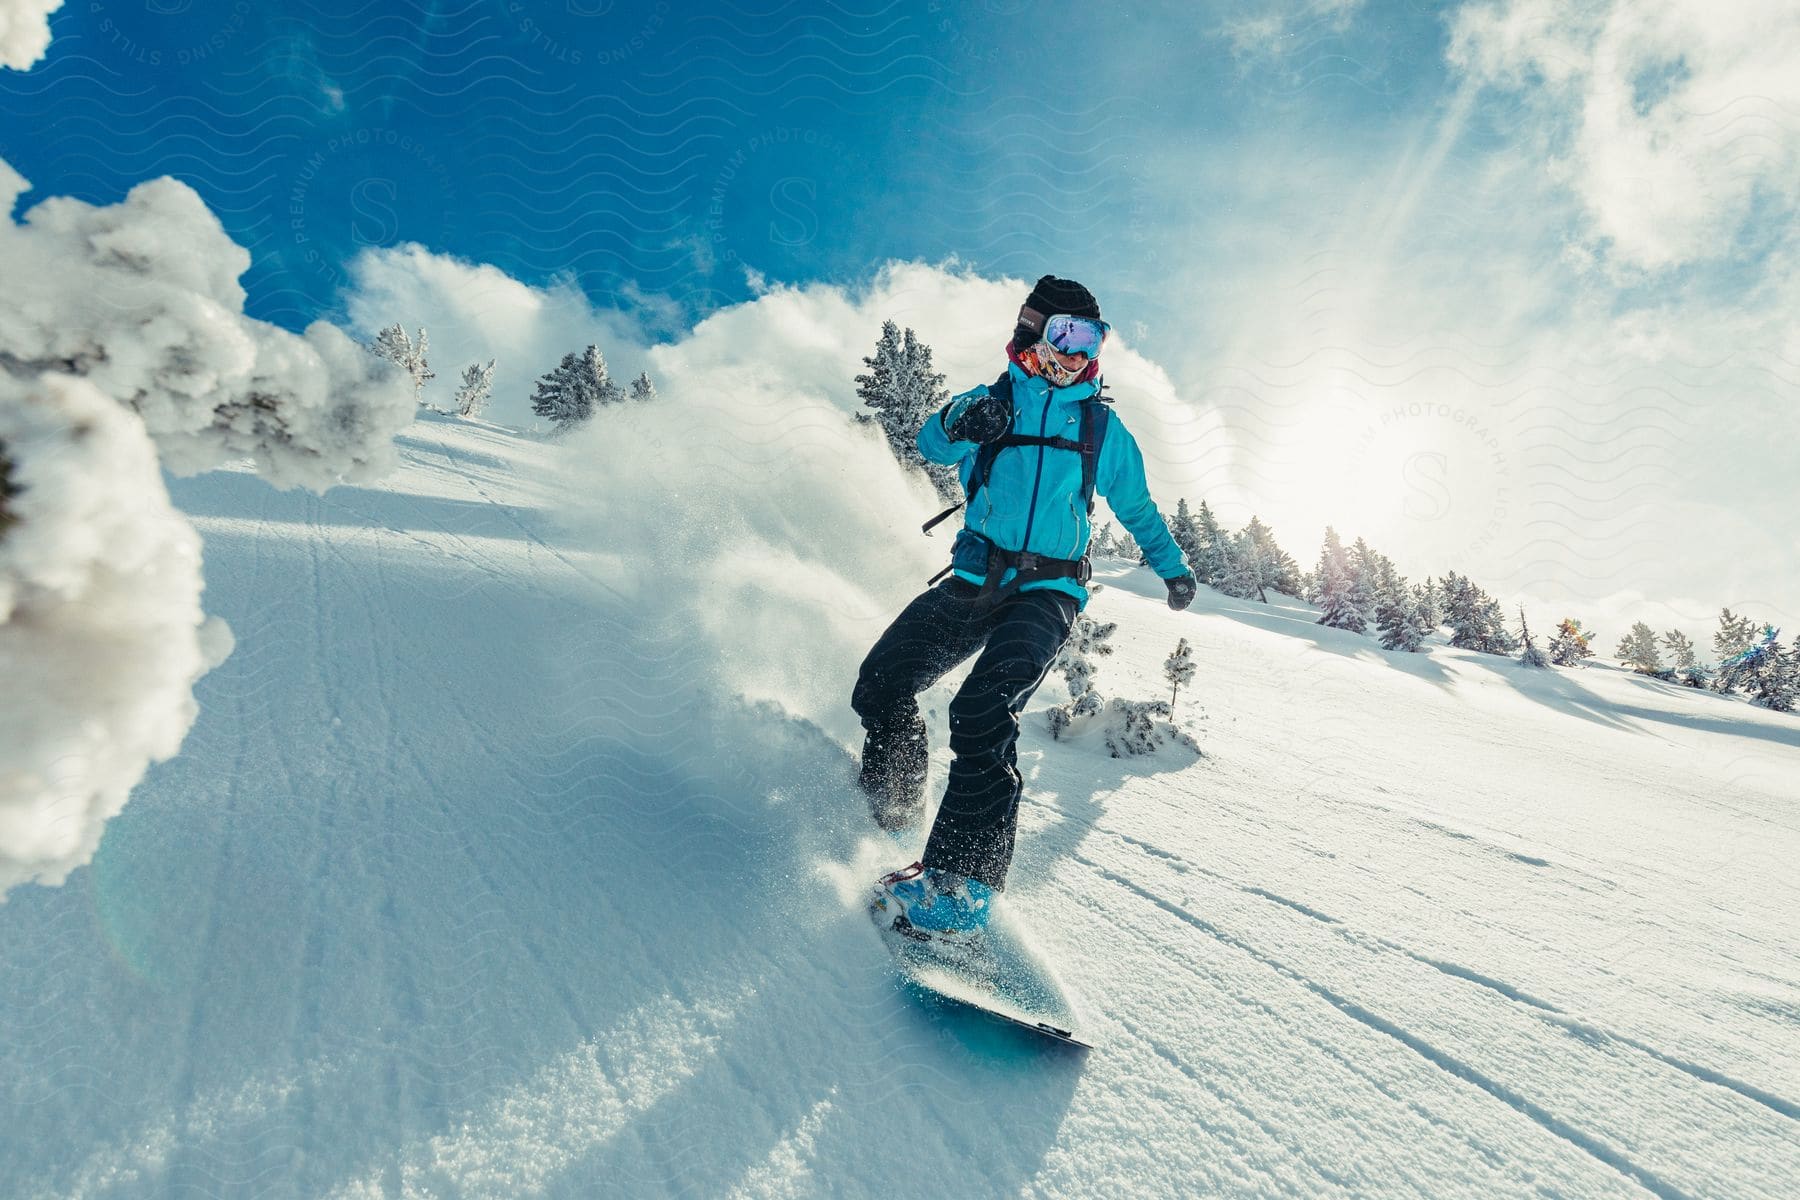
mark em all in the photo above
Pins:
pixel 926 904
pixel 893 777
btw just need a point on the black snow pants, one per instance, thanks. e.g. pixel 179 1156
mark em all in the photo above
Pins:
pixel 941 627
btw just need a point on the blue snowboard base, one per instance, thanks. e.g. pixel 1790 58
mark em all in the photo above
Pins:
pixel 1006 981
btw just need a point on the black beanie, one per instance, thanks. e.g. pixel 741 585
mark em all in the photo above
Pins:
pixel 1051 296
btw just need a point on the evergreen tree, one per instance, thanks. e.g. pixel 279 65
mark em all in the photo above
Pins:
pixel 1399 616
pixel 1256 565
pixel 1178 669
pixel 1531 656
pixel 595 375
pixel 1430 601
pixel 1733 639
pixel 1183 530
pixel 1211 548
pixel 1281 571
pixel 1100 545
pixel 1463 613
pixel 1496 638
pixel 477 386
pixel 569 394
pixel 1125 547
pixel 1570 645
pixel 1638 651
pixel 903 390
pixel 642 388
pixel 409 355
pixel 1687 666
pixel 1245 574
pixel 1332 588
pixel 1776 684
pixel 1366 572
pixel 1763 670
pixel 1476 619
pixel 1087 641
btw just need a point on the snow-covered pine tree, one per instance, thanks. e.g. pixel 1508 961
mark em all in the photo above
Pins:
pixel 1763 670
pixel 1100 545
pixel 1178 669
pixel 1687 667
pixel 1125 547
pixel 1430 600
pixel 1399 618
pixel 902 390
pixel 407 354
pixel 1280 571
pixel 1496 638
pixel 1243 575
pixel 1087 641
pixel 642 388
pixel 1638 651
pixel 563 395
pixel 1531 656
pixel 1366 571
pixel 1570 645
pixel 1731 642
pixel 1211 547
pixel 477 386
pixel 595 375
pixel 1255 565
pixel 1132 728
pixel 1462 612
pixel 1333 588
pixel 1182 529
pixel 576 388
pixel 1776 684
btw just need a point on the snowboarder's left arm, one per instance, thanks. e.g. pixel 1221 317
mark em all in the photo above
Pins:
pixel 934 440
pixel 1119 476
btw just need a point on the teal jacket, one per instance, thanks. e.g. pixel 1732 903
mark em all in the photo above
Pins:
pixel 1032 499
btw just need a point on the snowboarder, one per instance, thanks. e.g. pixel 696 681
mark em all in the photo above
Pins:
pixel 1031 450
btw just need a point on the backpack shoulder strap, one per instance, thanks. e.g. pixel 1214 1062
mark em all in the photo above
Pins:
pixel 1095 415
pixel 1002 389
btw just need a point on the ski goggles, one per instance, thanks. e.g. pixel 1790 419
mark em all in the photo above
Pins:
pixel 1075 335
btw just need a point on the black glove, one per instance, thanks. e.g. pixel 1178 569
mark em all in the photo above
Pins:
pixel 981 420
pixel 1181 591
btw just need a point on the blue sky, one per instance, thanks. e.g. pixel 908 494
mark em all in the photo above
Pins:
pixel 660 148
pixel 1501 285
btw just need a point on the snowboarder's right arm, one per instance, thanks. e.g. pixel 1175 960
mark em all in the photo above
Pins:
pixel 935 440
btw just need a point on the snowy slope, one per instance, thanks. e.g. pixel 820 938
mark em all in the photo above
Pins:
pixel 469 882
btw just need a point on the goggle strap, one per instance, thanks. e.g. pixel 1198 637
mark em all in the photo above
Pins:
pixel 1032 319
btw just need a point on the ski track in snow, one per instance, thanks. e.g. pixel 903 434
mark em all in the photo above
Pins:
pixel 442 899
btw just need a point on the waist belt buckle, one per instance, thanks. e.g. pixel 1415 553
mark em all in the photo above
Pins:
pixel 1085 571
pixel 1028 561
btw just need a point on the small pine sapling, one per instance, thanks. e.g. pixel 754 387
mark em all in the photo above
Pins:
pixel 1531 656
pixel 477 385
pixel 1570 645
pixel 1178 669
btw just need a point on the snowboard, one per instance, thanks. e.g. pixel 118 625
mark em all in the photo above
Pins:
pixel 1005 980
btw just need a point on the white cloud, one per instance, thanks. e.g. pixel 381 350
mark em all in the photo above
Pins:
pixel 1275 30
pixel 25 31
pixel 474 312
pixel 1675 122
